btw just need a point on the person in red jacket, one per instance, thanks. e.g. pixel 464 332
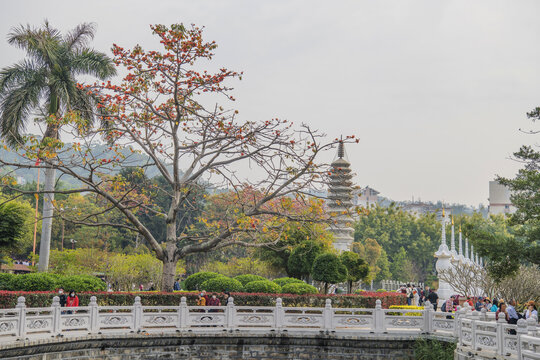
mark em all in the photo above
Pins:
pixel 72 300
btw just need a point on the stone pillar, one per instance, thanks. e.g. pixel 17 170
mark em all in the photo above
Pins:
pixel 328 315
pixel 56 312
pixel 278 314
pixel 137 314
pixel 231 313
pixel 21 307
pixel 378 314
pixel 183 313
pixel 94 314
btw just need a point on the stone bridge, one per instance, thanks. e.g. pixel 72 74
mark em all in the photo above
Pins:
pixel 246 332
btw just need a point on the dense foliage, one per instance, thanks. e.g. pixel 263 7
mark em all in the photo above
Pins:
pixel 329 269
pixel 298 289
pixel 429 349
pixel 287 280
pixel 263 286
pixel 50 282
pixel 221 284
pixel 247 278
pixel 194 282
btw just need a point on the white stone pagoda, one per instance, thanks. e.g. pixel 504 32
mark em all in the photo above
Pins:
pixel 340 201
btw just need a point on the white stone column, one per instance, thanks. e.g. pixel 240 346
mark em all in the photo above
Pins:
pixel 444 257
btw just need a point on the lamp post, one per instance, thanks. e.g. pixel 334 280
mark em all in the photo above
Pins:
pixel 73 244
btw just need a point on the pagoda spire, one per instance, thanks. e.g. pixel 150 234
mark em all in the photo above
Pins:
pixel 340 200
pixel 453 241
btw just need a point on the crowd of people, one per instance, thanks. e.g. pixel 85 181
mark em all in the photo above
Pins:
pixel 417 296
pixel 205 300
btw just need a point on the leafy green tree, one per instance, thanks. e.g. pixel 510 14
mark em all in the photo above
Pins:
pixel 301 260
pixel 399 265
pixel 526 198
pixel 15 225
pixel 45 82
pixel 384 267
pixel 328 269
pixel 357 268
pixel 393 229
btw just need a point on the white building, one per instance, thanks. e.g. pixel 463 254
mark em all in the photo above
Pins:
pixel 365 197
pixel 499 199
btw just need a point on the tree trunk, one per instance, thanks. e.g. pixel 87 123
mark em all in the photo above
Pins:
pixel 169 267
pixel 325 288
pixel 46 224
pixel 349 287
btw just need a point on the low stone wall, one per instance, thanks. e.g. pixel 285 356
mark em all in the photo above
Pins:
pixel 231 346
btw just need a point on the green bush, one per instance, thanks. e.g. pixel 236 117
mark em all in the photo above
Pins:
pixel 193 282
pixel 359 291
pixel 298 289
pixel 5 281
pixel 425 349
pixel 247 278
pixel 80 283
pixel 221 284
pixel 287 280
pixel 8 299
pixel 34 282
pixel 262 286
pixel 381 290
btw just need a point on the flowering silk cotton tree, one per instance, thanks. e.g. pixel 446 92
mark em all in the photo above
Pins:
pixel 159 109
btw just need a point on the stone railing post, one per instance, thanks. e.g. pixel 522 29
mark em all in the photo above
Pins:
pixel 183 313
pixel 457 324
pixel 531 325
pixel 279 314
pixel 94 314
pixel 328 314
pixel 521 330
pixel 56 312
pixel 428 317
pixel 474 323
pixel 378 315
pixel 500 333
pixel 483 314
pixel 137 314
pixel 231 313
pixel 21 307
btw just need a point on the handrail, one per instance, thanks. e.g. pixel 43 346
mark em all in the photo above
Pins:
pixel 473 330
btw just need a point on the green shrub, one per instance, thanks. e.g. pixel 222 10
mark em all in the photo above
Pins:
pixel 193 282
pixel 5 281
pixel 298 289
pixel 381 290
pixel 262 286
pixel 80 283
pixel 8 299
pixel 221 284
pixel 359 291
pixel 425 349
pixel 34 282
pixel 247 278
pixel 287 280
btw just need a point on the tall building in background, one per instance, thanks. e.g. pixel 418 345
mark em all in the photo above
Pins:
pixel 499 199
pixel 340 201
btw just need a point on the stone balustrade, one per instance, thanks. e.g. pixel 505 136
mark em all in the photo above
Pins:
pixel 476 332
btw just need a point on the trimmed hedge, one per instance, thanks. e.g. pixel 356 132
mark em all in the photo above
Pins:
pixel 287 280
pixel 8 299
pixel 299 289
pixel 262 286
pixel 50 282
pixel 194 282
pixel 221 284
pixel 247 278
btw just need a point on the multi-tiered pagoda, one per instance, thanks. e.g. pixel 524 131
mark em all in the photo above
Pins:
pixel 340 201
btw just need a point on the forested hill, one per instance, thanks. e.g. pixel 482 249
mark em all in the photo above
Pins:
pixel 30 175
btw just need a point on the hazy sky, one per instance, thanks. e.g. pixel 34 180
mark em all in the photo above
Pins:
pixel 436 90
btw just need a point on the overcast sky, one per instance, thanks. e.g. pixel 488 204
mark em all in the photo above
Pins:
pixel 436 90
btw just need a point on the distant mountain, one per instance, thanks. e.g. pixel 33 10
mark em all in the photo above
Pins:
pixel 101 151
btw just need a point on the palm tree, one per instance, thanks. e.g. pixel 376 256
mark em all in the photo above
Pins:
pixel 44 84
